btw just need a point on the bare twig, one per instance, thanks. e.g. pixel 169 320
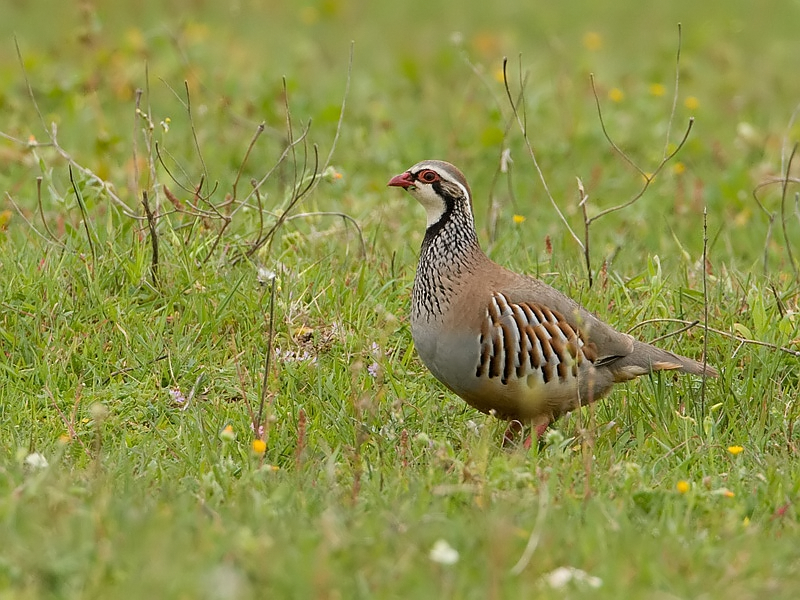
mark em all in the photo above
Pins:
pixel 134 146
pixel 689 325
pixel 340 122
pixel 674 92
pixel 151 223
pixel 254 184
pixel 84 214
pixel 185 187
pixel 705 313
pixel 344 217
pixel 194 130
pixel 536 533
pixel 522 127
pixel 770 221
pixel 256 135
pixel 41 213
pixel 725 334
pixel 648 177
pixel 297 195
pixel 226 221
pixel 784 186
pixel 151 163
pixel 261 416
pixel 52 133
pixel 674 333
pixel 582 202
pixel 28 221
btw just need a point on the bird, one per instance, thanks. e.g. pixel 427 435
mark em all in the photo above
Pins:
pixel 506 343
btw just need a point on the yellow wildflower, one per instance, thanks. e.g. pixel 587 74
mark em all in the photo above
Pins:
pixel 592 40
pixel 227 434
pixel 309 15
pixel 519 219
pixel 678 168
pixel 616 95
pixel 656 89
pixel 259 446
pixel 683 486
pixel 691 102
pixel 735 450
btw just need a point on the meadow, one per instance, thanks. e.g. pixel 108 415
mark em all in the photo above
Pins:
pixel 209 388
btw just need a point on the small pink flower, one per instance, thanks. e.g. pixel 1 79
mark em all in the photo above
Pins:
pixel 179 399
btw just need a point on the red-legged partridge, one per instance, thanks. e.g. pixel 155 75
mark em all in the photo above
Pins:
pixel 508 344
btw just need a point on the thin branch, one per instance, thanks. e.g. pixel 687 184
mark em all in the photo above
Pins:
pixel 340 122
pixel 41 213
pixel 151 163
pixel 184 187
pixel 28 221
pixel 582 202
pixel 705 313
pixel 532 154
pixel 134 146
pixel 674 333
pixel 256 135
pixel 226 221
pixel 262 418
pixel 151 223
pixel 31 95
pixel 675 91
pixel 770 223
pixel 296 197
pixel 53 135
pixel 640 324
pixel 278 162
pixel 84 214
pixel 648 177
pixel 194 129
pixel 253 183
pixel 344 216
pixel 784 187
pixel 536 533
pixel 725 334
pixel 785 141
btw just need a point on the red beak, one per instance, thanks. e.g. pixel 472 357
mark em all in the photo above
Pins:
pixel 404 180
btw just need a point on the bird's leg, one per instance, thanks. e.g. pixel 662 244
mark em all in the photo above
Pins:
pixel 540 427
pixel 513 433
pixel 516 429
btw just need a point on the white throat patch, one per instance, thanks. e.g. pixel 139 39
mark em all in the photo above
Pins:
pixel 433 203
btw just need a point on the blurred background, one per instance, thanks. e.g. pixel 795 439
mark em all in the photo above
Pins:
pixel 426 81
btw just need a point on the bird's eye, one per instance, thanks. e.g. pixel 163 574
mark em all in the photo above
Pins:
pixel 428 176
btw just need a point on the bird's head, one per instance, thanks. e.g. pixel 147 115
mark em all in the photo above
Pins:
pixel 439 186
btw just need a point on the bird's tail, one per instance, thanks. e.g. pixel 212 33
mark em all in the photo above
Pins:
pixel 646 359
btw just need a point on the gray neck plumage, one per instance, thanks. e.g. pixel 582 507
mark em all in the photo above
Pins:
pixel 450 251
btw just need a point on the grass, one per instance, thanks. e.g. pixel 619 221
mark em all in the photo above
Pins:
pixel 138 387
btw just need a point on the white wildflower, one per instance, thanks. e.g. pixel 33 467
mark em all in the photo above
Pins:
pixel 36 460
pixel 561 576
pixel 443 553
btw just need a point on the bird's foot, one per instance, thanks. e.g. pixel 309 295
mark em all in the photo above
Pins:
pixel 516 431
pixel 513 433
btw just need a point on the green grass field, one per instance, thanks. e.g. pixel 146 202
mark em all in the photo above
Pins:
pixel 130 464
